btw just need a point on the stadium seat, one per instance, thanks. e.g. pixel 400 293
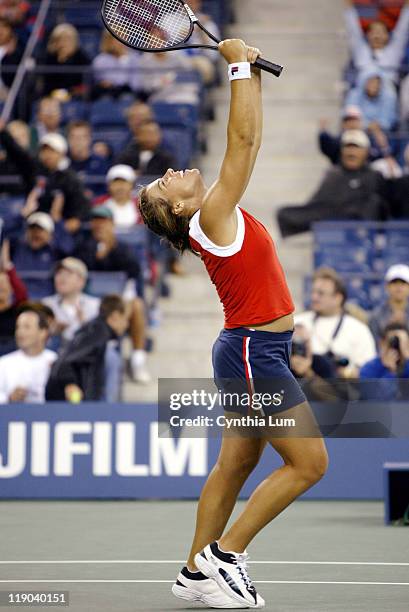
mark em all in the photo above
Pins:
pixel 179 141
pixel 186 115
pixel 114 137
pixel 74 110
pixel 39 284
pixel 109 112
pixel 103 283
pixel 90 41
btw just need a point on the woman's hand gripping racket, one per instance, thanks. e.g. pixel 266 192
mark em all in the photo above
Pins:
pixel 160 25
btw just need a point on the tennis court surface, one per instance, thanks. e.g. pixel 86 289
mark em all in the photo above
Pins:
pixel 124 556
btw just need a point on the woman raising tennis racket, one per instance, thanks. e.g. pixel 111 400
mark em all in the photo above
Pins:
pixel 253 347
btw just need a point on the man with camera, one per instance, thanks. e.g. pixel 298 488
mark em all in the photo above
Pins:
pixel 389 369
pixel 347 342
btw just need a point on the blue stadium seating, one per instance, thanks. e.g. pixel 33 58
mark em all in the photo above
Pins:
pixel 103 283
pixel 179 141
pixel 115 137
pixel 109 112
pixel 39 284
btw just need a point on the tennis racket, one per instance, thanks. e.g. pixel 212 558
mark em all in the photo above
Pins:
pixel 160 25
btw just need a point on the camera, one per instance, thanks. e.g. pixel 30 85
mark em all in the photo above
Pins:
pixel 299 348
pixel 394 343
pixel 338 360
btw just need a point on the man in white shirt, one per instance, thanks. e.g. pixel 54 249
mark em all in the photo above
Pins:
pixel 335 333
pixel 24 373
pixel 72 308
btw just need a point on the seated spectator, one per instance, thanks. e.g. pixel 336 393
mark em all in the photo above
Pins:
pixel 13 293
pixel 159 71
pixel 376 98
pixel 144 153
pixel 347 342
pixel 15 11
pixel 379 48
pixel 313 370
pixel 39 244
pixel 102 252
pixel 10 180
pixel 351 190
pixel 116 70
pixel 45 173
pixel 70 305
pixel 136 114
pixel 384 372
pixel 89 166
pixel 48 120
pixel 121 202
pixel 395 309
pixel 24 373
pixel 79 372
pixel 64 51
pixel 10 55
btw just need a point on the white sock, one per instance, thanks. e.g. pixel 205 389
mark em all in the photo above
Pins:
pixel 138 358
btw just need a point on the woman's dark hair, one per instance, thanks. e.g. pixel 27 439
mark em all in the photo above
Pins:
pixel 158 216
pixel 394 327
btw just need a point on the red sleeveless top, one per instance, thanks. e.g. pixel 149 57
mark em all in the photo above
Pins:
pixel 247 274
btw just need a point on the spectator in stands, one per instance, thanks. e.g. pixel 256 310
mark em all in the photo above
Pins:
pixel 378 49
pixel 117 69
pixel 144 153
pixel 48 120
pixel 24 373
pixel 376 98
pixel 70 305
pixel 121 201
pixel 347 342
pixel 51 179
pixel 138 113
pixel 10 180
pixel 79 372
pixel 64 52
pixel 89 166
pixel 38 246
pixel 102 252
pixel 385 372
pixel 404 102
pixel 351 190
pixel 10 55
pixel 160 71
pixel 15 11
pixel 395 309
pixel 13 293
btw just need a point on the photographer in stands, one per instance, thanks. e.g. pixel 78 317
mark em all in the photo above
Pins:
pixel 347 342
pixel 395 309
pixel 391 365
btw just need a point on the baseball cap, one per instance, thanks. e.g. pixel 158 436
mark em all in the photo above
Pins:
pixel 73 265
pixel 397 272
pixel 42 220
pixel 101 212
pixel 352 112
pixel 355 137
pixel 55 142
pixel 121 171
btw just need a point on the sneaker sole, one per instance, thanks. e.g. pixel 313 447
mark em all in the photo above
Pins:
pixel 209 570
pixel 187 595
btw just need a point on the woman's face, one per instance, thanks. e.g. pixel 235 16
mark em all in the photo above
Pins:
pixel 182 186
pixel 66 42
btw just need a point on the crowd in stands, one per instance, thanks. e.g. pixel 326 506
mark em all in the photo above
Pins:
pixel 78 269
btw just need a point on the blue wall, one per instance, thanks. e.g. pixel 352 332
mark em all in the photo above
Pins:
pixel 114 451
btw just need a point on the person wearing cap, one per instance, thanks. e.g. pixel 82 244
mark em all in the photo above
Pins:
pixel 71 306
pixel 351 119
pixel 103 252
pixel 50 177
pixel 145 153
pixel 395 308
pixel 36 244
pixel 120 181
pixel 350 190
pixel 89 166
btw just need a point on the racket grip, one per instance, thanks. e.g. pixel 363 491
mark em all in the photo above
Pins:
pixel 268 66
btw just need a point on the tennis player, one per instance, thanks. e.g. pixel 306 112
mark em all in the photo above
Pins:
pixel 254 345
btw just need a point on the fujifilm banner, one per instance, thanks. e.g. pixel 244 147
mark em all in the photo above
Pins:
pixel 102 451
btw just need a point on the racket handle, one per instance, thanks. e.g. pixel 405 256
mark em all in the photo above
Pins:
pixel 268 66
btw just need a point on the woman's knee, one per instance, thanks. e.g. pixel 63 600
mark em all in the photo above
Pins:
pixel 314 464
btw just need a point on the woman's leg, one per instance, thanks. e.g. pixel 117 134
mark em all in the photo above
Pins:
pixel 305 462
pixel 237 458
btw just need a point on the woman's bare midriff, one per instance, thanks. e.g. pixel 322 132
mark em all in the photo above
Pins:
pixel 282 324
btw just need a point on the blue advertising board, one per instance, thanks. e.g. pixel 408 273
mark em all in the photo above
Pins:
pixel 96 450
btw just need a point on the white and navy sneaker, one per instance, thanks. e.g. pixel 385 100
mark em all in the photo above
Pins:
pixel 196 587
pixel 229 570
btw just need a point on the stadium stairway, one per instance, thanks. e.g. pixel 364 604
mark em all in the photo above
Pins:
pixel 307 38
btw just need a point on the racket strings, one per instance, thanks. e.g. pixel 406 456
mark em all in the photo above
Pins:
pixel 148 24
